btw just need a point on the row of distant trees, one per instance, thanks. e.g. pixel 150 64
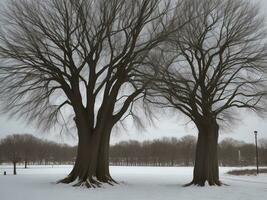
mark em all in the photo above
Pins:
pixel 181 152
pixel 28 149
pixel 159 152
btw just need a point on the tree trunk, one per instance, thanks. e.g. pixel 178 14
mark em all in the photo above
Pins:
pixel 25 164
pixel 15 168
pixel 91 167
pixel 102 172
pixel 206 160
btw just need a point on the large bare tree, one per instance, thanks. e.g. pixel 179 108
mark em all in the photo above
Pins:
pixel 84 58
pixel 214 66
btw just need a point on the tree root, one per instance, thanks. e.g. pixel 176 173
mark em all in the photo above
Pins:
pixel 202 183
pixel 67 180
pixel 90 182
pixel 93 182
pixel 109 180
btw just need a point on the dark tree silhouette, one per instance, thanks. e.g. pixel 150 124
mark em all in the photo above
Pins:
pixel 81 57
pixel 27 144
pixel 32 150
pixel 216 65
pixel 11 150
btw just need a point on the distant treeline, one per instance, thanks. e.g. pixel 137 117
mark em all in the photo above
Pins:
pixel 28 149
pixel 180 152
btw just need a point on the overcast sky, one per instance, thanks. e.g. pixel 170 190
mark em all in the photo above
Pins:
pixel 165 126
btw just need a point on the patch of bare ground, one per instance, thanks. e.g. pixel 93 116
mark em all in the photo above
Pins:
pixel 243 172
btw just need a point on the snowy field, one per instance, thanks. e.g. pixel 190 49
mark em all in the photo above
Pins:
pixel 136 183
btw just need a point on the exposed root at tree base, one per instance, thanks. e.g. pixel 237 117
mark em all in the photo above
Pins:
pixel 91 182
pixel 109 181
pixel 202 183
pixel 67 180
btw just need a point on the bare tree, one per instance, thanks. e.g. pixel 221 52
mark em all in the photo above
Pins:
pixel 83 58
pixel 11 150
pixel 27 144
pixel 216 64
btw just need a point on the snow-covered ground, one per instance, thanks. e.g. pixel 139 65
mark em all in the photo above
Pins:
pixel 136 183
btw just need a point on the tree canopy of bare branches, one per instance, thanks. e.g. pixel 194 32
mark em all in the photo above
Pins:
pixel 85 58
pixel 215 65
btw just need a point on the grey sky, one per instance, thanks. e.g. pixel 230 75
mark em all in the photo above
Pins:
pixel 165 126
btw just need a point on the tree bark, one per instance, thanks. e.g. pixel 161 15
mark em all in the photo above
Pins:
pixel 206 167
pixel 91 167
pixel 103 173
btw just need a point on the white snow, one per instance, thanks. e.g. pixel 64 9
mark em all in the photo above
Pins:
pixel 136 183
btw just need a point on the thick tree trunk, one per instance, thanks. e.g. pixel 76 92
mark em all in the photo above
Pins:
pixel 91 167
pixel 84 169
pixel 206 161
